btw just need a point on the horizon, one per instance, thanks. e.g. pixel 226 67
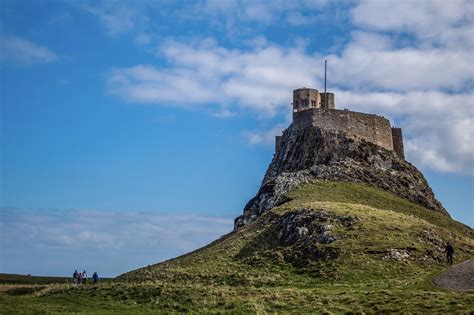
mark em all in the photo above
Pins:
pixel 134 132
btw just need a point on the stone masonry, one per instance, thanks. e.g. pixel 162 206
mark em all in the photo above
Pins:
pixel 397 140
pixel 305 98
pixel 358 126
pixel 314 109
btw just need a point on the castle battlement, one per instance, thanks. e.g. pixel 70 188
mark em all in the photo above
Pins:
pixel 314 109
pixel 306 98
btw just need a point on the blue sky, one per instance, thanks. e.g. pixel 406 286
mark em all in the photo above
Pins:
pixel 136 130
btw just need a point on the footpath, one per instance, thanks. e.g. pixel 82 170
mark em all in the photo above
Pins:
pixel 458 278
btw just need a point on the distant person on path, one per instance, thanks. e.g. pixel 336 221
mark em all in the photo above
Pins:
pixel 79 278
pixel 449 253
pixel 95 277
pixel 75 277
pixel 84 277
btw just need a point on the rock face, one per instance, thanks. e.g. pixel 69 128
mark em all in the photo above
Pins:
pixel 298 234
pixel 308 154
pixel 310 226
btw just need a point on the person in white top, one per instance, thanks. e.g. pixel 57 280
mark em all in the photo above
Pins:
pixel 84 277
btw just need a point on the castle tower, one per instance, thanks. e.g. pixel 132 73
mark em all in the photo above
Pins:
pixel 327 100
pixel 305 99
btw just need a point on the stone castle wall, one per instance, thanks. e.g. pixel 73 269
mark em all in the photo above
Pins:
pixel 371 128
pixel 397 139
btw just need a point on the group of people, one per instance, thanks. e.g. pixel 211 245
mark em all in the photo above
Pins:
pixel 81 277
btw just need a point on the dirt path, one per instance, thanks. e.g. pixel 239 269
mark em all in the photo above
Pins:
pixel 459 277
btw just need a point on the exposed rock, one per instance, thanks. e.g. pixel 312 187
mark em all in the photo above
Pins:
pixel 301 236
pixel 436 251
pixel 397 254
pixel 306 226
pixel 309 154
pixel 433 239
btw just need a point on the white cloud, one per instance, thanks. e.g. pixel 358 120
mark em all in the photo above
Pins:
pixel 60 18
pixel 266 137
pixel 118 17
pixel 422 79
pixel 124 17
pixel 203 73
pixel 429 20
pixel 407 83
pixel 224 113
pixel 143 39
pixel 370 62
pixel 23 52
pixel 261 11
pixel 71 235
pixel 98 230
pixel 438 127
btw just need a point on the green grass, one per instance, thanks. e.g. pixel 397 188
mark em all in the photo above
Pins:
pixel 246 271
pixel 23 279
pixel 356 193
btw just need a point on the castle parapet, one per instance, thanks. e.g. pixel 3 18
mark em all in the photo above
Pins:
pixel 359 126
pixel 314 109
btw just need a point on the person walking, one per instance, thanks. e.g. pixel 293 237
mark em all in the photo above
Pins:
pixel 75 276
pixel 95 278
pixel 449 253
pixel 84 277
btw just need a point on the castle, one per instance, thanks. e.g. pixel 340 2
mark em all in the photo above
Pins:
pixel 314 109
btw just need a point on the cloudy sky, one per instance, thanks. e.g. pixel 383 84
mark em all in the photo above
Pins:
pixel 135 131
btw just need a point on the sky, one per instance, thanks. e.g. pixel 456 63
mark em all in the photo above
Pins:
pixel 135 131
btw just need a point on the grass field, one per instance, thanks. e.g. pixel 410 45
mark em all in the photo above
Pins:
pixel 12 279
pixel 24 279
pixel 247 271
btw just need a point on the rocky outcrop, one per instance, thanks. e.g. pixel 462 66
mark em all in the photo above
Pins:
pixel 298 237
pixel 308 226
pixel 309 154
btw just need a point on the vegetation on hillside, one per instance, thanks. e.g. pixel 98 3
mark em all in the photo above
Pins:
pixel 24 279
pixel 383 253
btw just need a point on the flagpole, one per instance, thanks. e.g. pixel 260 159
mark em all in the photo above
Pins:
pixel 325 94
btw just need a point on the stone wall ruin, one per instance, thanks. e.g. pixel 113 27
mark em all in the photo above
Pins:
pixel 314 109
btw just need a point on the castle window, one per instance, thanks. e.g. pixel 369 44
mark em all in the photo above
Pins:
pixel 313 103
pixel 305 103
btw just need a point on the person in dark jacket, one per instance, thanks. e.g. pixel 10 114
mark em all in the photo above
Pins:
pixel 75 277
pixel 449 253
pixel 95 277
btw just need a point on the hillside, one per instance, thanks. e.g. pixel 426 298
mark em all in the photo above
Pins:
pixel 308 154
pixel 359 249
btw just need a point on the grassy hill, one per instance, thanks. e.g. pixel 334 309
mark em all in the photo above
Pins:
pixel 334 248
